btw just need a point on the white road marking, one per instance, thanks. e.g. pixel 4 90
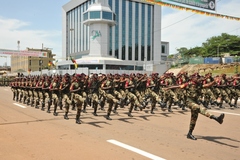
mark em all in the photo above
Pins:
pixel 136 150
pixel 235 114
pixel 19 105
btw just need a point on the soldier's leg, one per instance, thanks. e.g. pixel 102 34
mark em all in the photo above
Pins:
pixel 130 109
pixel 95 103
pixel 49 102
pixel 79 101
pixel 67 102
pixel 55 104
pixel 110 105
pixel 195 109
pixel 84 96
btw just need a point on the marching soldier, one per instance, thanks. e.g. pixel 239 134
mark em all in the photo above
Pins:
pixel 47 92
pixel 65 89
pixel 108 87
pixel 54 88
pixel 130 90
pixel 193 91
pixel 75 91
pixel 93 87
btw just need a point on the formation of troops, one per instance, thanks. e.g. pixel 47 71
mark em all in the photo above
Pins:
pixel 136 91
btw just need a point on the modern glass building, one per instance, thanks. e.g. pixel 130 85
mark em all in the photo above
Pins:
pixel 135 38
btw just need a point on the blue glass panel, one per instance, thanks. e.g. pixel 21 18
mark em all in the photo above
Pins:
pixel 136 31
pixel 95 15
pixel 142 33
pixel 107 15
pixel 85 16
pixel 130 32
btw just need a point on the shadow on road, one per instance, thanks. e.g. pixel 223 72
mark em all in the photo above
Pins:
pixel 96 124
pixel 217 140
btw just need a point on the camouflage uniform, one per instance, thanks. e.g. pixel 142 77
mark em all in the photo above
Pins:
pixel 193 91
pixel 150 91
pixel 130 90
pixel 75 92
pixel 54 89
pixel 65 89
pixel 93 87
pixel 108 88
pixel 46 91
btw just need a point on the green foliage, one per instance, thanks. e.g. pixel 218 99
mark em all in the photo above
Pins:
pixel 214 46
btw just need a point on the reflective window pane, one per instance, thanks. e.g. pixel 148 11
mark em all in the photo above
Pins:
pixel 95 15
pixel 107 15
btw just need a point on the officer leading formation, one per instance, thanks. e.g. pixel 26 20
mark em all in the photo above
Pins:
pixel 137 91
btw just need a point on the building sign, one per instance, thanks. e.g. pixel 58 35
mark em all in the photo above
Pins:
pixel 95 34
pixel 205 4
pixel 25 53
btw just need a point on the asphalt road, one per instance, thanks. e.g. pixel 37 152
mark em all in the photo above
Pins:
pixel 31 134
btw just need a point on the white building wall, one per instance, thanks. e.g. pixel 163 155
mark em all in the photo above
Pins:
pixel 100 45
pixel 157 33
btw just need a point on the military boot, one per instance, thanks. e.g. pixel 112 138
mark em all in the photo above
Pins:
pixel 190 136
pixel 55 110
pixel 66 116
pixel 130 111
pixel 115 108
pixel 152 112
pixel 49 106
pixel 36 104
pixel 43 106
pixel 219 119
pixel 95 109
pixel 78 116
pixel 108 117
pixel 170 108
pixel 32 103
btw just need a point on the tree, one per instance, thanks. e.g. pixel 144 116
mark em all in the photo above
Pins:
pixel 217 45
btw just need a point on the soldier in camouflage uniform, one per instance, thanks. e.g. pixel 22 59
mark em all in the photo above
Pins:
pixel 54 89
pixel 140 87
pixel 40 93
pixel 65 89
pixel 193 88
pixel 117 92
pixel 130 92
pixel 235 89
pixel 93 87
pixel 47 93
pixel 208 94
pixel 221 89
pixel 170 95
pixel 108 87
pixel 75 90
pixel 150 91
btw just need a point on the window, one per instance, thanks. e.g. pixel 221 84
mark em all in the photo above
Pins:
pixel 85 16
pixel 95 15
pixel 163 49
pixel 107 15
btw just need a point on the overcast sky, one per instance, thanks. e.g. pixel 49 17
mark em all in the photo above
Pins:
pixel 39 22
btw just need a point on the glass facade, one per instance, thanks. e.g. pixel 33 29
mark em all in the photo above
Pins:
pixel 107 15
pixel 95 15
pixel 134 22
